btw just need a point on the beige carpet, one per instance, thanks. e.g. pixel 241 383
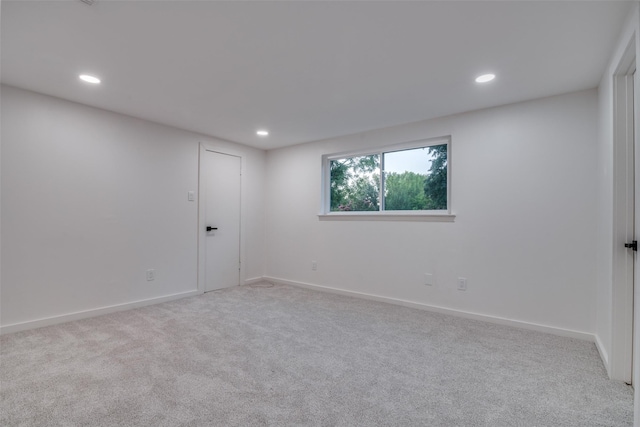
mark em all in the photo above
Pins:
pixel 283 356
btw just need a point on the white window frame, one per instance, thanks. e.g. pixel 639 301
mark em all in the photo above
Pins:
pixel 444 215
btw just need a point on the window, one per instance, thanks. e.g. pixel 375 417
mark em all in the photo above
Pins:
pixel 410 178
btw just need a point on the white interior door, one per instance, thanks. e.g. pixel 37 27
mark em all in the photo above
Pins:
pixel 636 213
pixel 636 268
pixel 632 224
pixel 222 174
pixel 624 225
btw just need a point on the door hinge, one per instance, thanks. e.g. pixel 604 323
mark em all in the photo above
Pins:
pixel 633 245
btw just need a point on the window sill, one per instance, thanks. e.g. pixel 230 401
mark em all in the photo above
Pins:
pixel 382 216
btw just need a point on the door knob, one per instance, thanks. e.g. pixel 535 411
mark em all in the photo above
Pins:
pixel 633 245
pixel 211 228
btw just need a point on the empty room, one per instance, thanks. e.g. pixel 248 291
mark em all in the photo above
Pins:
pixel 319 213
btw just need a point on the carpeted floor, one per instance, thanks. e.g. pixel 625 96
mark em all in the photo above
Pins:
pixel 283 356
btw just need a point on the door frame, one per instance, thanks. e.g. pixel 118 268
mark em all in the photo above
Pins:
pixel 202 234
pixel 624 189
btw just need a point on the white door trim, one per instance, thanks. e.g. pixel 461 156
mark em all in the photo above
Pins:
pixel 620 360
pixel 204 147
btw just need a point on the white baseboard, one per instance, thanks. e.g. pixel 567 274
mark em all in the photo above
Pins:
pixel 458 313
pixel 603 354
pixel 48 321
pixel 254 280
pixel 16 327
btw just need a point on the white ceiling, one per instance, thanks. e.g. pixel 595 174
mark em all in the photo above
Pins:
pixel 305 70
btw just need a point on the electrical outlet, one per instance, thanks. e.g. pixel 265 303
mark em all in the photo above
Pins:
pixel 151 275
pixel 191 196
pixel 429 279
pixel 314 265
pixel 462 284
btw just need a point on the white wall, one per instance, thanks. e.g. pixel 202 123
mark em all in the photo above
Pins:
pixel 523 179
pixel 92 199
pixel 605 187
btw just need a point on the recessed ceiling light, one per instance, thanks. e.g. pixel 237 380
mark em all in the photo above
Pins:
pixel 262 132
pixel 485 78
pixel 89 79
